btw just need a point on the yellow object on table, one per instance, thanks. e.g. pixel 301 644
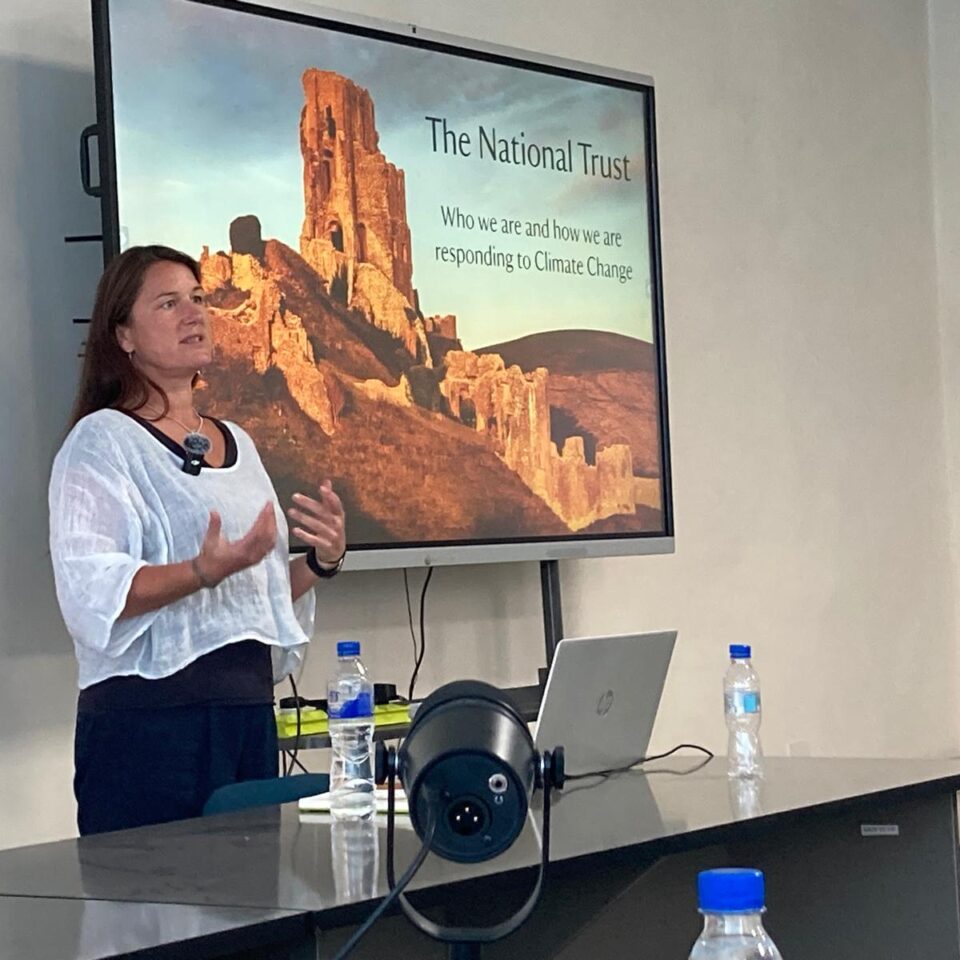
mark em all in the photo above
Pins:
pixel 313 720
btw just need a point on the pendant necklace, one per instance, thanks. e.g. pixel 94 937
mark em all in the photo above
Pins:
pixel 195 443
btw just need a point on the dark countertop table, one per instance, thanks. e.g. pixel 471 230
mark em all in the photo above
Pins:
pixel 678 803
pixel 275 859
pixel 95 929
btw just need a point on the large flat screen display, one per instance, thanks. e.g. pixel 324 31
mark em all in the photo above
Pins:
pixel 432 266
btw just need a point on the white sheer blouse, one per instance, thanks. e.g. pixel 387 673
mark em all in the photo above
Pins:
pixel 119 500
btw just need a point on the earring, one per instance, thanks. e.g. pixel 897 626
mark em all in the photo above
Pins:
pixel 130 355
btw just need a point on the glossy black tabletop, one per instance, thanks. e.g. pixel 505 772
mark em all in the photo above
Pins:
pixel 277 858
pixel 38 927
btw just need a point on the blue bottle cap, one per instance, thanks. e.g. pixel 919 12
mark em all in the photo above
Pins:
pixel 739 651
pixel 348 648
pixel 731 890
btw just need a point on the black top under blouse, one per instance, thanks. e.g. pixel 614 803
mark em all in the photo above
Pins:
pixel 230 442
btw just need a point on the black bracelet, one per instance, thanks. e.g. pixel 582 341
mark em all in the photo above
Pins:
pixel 313 562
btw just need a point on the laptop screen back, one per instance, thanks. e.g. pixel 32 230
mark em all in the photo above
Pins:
pixel 602 697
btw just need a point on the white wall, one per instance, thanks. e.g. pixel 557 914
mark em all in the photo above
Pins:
pixel 46 98
pixel 944 28
pixel 804 375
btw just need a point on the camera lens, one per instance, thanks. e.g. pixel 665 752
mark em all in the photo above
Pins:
pixel 467 817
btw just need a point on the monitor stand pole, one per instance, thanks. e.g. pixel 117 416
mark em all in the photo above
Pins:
pixel 552 612
pixel 528 698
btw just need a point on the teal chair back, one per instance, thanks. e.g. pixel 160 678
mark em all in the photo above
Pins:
pixel 263 793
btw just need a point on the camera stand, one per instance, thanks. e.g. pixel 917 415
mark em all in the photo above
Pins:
pixel 464 951
pixel 465 943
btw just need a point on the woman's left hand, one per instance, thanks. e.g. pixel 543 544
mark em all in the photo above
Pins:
pixel 321 523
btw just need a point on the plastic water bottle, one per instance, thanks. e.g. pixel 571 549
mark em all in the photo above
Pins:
pixel 746 797
pixel 355 858
pixel 350 713
pixel 741 702
pixel 732 904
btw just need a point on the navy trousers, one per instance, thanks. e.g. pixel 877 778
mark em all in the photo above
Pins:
pixel 137 767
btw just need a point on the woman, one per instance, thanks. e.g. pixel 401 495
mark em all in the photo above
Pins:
pixel 174 582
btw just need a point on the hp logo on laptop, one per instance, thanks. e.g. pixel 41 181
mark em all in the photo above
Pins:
pixel 605 703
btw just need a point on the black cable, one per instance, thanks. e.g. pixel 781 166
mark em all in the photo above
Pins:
pixel 413 635
pixel 630 766
pixel 658 772
pixel 296 741
pixel 294 762
pixel 423 634
pixel 395 891
pixel 391 820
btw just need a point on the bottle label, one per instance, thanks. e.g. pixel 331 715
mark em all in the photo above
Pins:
pixel 743 701
pixel 359 706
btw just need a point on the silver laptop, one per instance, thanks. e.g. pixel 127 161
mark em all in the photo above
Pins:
pixel 602 697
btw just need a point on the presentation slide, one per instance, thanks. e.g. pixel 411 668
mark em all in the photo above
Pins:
pixel 429 273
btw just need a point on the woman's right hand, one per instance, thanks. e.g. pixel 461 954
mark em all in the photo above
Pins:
pixel 219 557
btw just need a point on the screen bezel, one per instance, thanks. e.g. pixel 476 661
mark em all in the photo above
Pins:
pixel 437 553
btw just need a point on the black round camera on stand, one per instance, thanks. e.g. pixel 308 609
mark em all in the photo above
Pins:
pixel 469 767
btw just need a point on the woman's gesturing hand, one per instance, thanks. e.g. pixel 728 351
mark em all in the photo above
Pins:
pixel 219 557
pixel 320 523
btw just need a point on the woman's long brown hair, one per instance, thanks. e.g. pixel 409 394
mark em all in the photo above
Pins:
pixel 109 377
